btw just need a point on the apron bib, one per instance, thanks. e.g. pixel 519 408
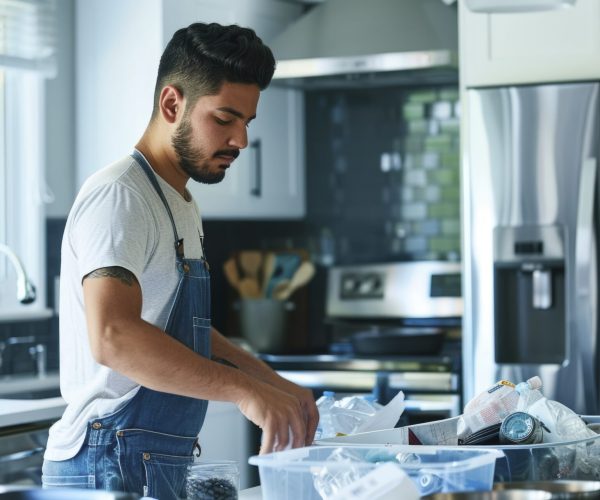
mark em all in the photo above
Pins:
pixel 156 433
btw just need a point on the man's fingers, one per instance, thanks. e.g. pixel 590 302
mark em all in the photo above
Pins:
pixel 312 421
pixel 298 429
pixel 268 439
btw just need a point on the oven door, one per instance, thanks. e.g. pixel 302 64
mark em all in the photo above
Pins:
pixel 428 396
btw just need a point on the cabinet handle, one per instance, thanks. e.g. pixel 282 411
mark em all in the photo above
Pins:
pixel 256 186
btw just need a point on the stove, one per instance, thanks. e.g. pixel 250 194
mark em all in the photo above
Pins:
pixel 389 300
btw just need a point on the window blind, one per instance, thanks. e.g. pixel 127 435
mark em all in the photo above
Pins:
pixel 27 35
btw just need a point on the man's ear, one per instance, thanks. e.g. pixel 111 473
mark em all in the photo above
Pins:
pixel 171 104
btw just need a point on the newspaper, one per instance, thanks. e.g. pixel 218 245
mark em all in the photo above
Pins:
pixel 440 432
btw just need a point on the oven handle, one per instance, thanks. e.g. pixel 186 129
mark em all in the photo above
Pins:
pixel 21 455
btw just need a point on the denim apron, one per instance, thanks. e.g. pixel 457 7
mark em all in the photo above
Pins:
pixel 146 446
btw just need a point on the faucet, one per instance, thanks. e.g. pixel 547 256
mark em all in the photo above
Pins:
pixel 37 352
pixel 25 288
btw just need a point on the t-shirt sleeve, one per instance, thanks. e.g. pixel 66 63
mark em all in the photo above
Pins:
pixel 112 226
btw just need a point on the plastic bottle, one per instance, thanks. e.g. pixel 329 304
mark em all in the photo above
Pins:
pixel 325 428
pixel 529 393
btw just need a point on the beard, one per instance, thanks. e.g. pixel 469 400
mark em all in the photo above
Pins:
pixel 193 160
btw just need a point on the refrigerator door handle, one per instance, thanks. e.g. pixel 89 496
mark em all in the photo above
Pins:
pixel 584 238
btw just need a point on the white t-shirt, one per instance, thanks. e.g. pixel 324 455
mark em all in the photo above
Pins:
pixel 117 219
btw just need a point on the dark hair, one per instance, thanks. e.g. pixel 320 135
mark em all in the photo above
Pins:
pixel 199 58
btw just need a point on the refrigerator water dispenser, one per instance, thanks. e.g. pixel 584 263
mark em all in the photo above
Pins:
pixel 530 295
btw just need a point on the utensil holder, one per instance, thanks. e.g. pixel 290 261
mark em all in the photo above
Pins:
pixel 263 323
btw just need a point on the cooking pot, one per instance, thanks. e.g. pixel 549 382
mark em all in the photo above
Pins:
pixel 561 489
pixel 399 341
pixel 514 494
pixel 28 493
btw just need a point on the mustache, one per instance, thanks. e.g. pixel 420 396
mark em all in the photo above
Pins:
pixel 228 152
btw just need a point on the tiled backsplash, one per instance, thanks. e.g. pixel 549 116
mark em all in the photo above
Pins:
pixel 383 172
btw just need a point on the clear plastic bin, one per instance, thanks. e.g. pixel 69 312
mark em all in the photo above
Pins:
pixel 577 460
pixel 312 472
pixel 541 462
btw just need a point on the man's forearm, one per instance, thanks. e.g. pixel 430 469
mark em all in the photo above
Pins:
pixel 245 361
pixel 155 360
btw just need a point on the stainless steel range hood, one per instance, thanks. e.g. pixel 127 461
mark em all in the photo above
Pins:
pixel 352 43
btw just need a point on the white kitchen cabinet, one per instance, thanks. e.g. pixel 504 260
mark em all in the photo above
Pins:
pixel 530 47
pixel 119 43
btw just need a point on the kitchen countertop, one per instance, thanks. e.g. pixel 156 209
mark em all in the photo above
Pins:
pixel 14 411
pixel 12 384
pixel 251 494
pixel 22 411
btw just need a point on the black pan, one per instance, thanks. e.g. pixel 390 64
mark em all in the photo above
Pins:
pixel 404 341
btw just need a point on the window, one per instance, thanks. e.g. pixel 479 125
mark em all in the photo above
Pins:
pixel 26 59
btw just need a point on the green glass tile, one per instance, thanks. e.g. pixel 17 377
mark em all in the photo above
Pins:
pixel 417 126
pixel 440 244
pixel 450 193
pixel 443 210
pixel 413 110
pixel 449 94
pixel 450 159
pixel 443 176
pixel 440 140
pixel 450 226
pixel 451 126
pixel 424 96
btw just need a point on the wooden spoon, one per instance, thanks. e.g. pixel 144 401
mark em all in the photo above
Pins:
pixel 250 261
pixel 280 288
pixel 249 289
pixel 231 273
pixel 302 276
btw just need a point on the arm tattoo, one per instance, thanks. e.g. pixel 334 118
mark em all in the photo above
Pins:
pixel 123 275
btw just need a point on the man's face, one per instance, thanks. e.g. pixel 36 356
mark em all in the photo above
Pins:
pixel 211 134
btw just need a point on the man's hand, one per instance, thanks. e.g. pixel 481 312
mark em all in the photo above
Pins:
pixel 278 414
pixel 307 402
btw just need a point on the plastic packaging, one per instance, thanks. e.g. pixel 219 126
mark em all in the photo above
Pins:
pixel 488 408
pixel 325 428
pixel 213 480
pixel 351 412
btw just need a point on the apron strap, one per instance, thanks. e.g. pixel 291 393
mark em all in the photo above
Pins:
pixel 141 159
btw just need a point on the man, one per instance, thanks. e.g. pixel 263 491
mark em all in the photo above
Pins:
pixel 135 335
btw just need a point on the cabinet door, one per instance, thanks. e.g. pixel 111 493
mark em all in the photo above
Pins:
pixel 267 179
pixel 530 47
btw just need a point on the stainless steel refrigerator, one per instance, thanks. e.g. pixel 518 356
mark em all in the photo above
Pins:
pixel 530 221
